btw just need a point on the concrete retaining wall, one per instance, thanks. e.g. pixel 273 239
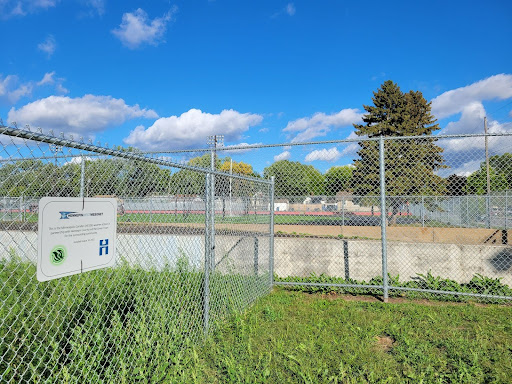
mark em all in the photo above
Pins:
pixel 357 259
pixel 362 260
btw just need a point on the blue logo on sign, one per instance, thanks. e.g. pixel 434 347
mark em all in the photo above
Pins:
pixel 64 215
pixel 103 247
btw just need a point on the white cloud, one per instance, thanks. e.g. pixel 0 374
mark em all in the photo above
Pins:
pixel 320 124
pixel 79 159
pixel 191 129
pixel 263 130
pixel 463 169
pixel 239 151
pixel 60 89
pixel 47 79
pixel 352 148
pixel 12 90
pixel 470 122
pixel 456 100
pixel 22 90
pixel 283 156
pixel 84 115
pixel 97 5
pixel 290 9
pixel 331 154
pixel 136 28
pixel 10 8
pixel 48 46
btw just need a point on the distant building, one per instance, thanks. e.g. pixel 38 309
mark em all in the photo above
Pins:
pixel 281 205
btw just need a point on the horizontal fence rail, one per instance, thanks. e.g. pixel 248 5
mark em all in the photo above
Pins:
pixel 409 216
pixel 192 246
pixel 436 229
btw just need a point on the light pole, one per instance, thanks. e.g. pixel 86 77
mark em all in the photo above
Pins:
pixel 55 149
pixel 214 141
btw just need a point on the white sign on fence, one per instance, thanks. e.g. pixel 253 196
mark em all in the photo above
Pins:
pixel 75 235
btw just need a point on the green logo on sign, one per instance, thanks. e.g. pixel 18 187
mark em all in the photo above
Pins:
pixel 58 255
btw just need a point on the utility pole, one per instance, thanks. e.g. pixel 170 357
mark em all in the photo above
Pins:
pixel 488 200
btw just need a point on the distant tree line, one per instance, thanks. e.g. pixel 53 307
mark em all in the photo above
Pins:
pixel 412 166
pixel 119 177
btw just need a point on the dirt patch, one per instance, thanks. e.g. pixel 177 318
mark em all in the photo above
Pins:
pixel 363 298
pixel 401 300
pixel 385 343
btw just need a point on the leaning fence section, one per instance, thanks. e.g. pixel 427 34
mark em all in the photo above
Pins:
pixel 185 259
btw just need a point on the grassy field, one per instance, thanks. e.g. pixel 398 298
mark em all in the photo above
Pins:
pixel 125 324
pixel 292 337
pixel 348 219
pixel 131 325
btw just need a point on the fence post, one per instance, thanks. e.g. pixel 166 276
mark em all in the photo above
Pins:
pixel 343 210
pixel 22 211
pixel 212 208
pixel 256 250
pixel 488 210
pixel 506 209
pixel 207 254
pixel 383 216
pixel 82 176
pixel 271 261
pixel 422 211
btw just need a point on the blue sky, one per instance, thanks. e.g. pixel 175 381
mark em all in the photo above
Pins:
pixel 164 75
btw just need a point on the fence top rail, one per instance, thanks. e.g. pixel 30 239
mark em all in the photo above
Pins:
pixel 341 141
pixel 41 137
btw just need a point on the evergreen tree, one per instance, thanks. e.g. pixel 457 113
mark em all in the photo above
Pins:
pixel 410 163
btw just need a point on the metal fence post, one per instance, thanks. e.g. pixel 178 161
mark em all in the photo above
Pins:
pixel 82 176
pixel 423 211
pixel 343 210
pixel 383 223
pixel 207 255
pixel 212 222
pixel 271 256
pixel 22 211
pixel 506 209
pixel 256 250
pixel 488 210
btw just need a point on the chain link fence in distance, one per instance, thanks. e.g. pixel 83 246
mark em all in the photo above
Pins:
pixel 446 236
pixel 127 321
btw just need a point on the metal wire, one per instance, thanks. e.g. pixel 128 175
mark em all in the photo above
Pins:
pixel 186 258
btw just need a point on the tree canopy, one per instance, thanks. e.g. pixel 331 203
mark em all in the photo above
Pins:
pixel 188 182
pixel 337 179
pixel 411 163
pixel 500 175
pixel 109 176
pixel 294 179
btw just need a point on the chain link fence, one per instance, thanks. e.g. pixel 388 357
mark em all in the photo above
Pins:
pixel 192 245
pixel 420 217
pixel 445 227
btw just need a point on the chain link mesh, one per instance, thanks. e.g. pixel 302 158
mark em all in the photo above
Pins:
pixel 174 278
pixel 447 224
pixel 195 245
